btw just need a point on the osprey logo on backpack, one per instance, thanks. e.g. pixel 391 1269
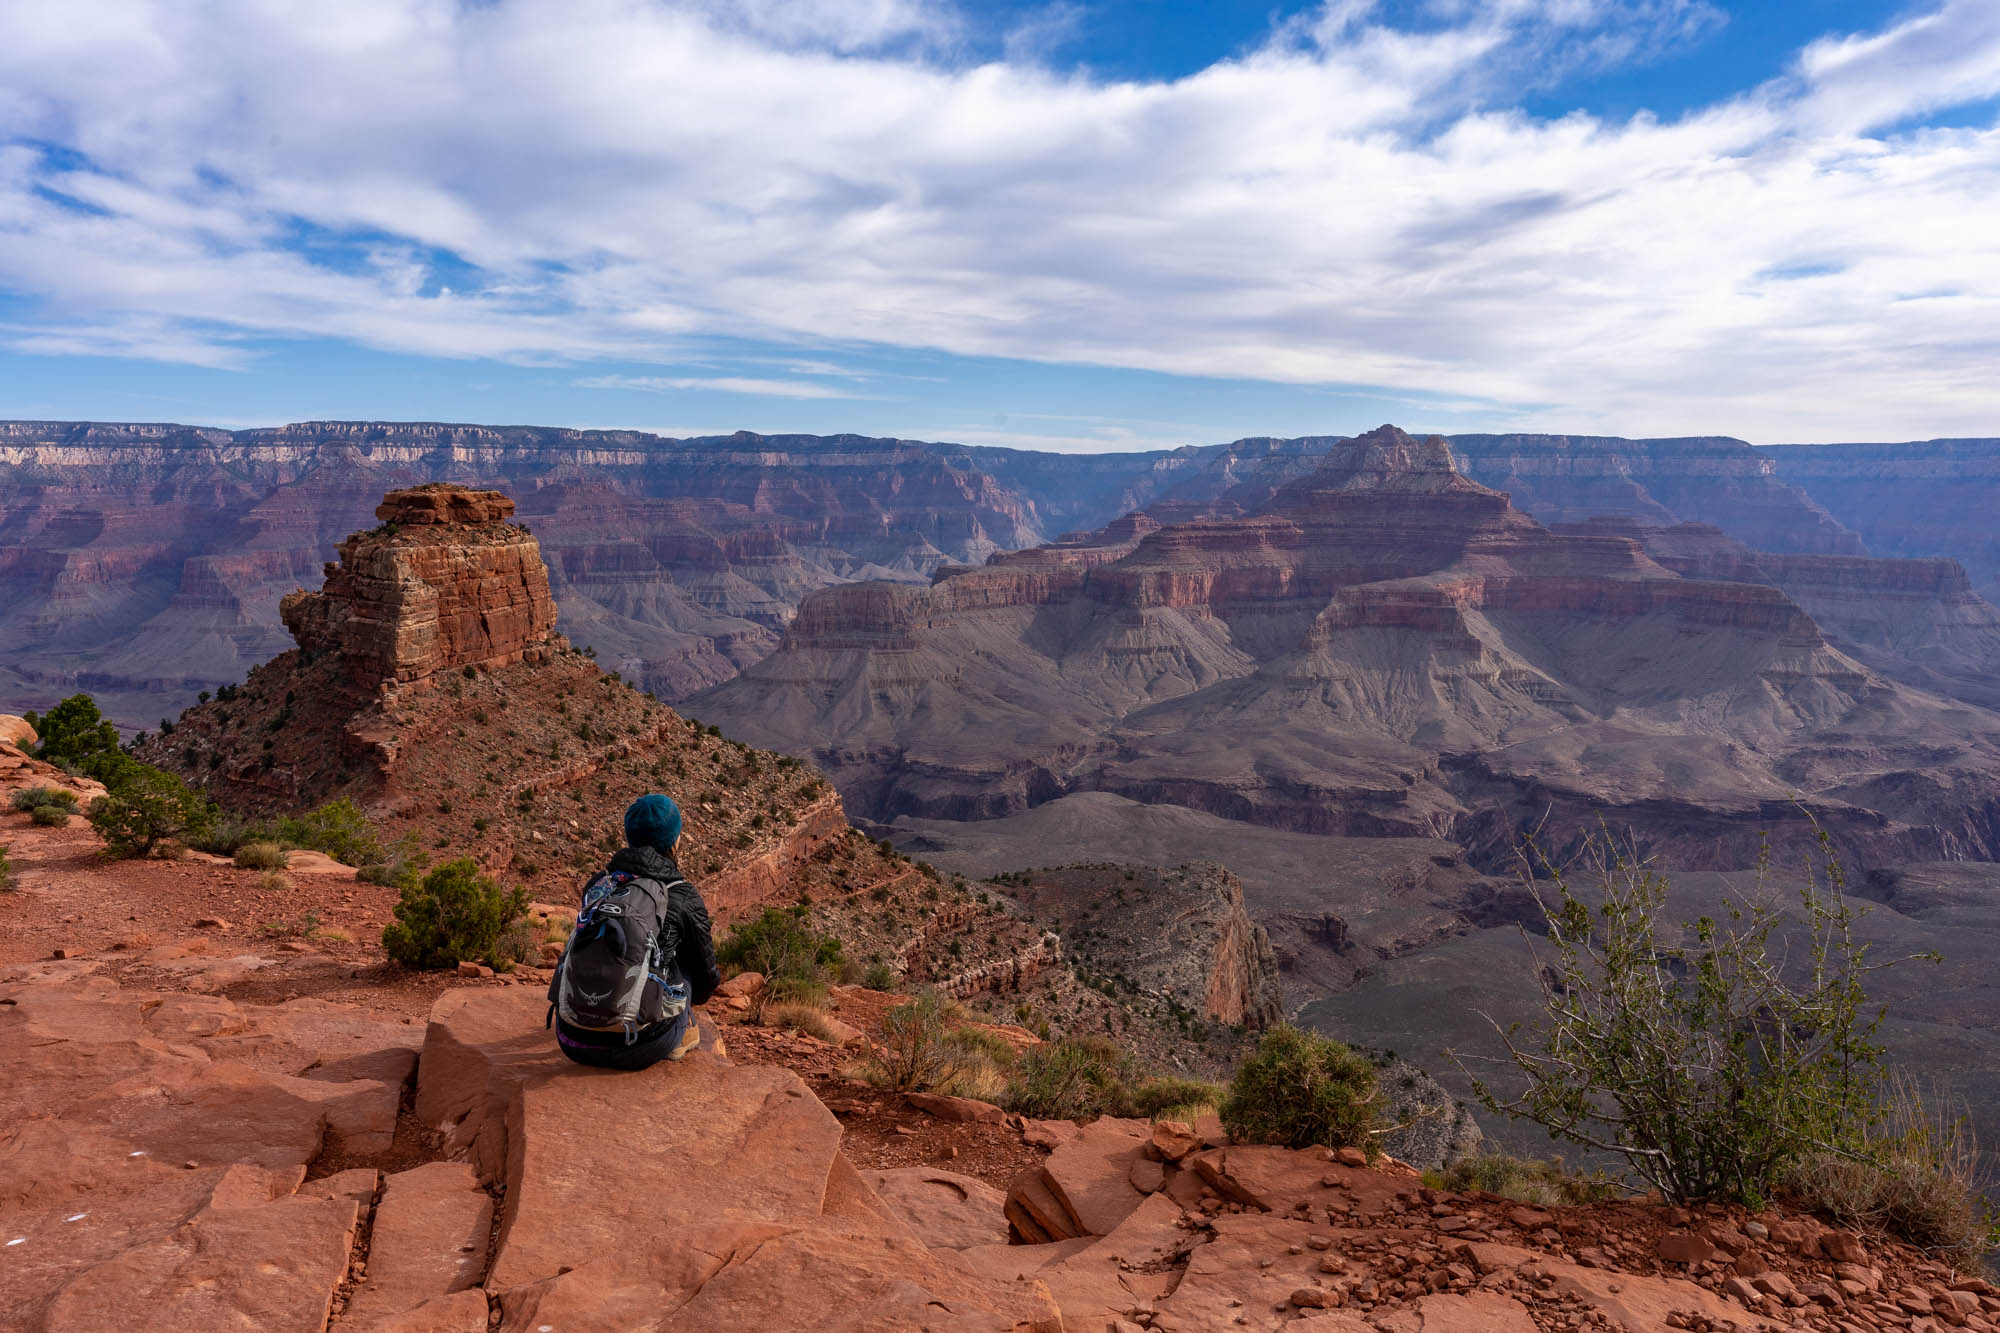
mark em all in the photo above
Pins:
pixel 609 978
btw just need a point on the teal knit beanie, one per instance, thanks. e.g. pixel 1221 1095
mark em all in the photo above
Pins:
pixel 653 821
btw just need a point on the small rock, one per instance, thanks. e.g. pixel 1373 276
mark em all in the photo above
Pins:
pixel 1311 1298
pixel 1351 1157
pixel 211 923
pixel 1684 1247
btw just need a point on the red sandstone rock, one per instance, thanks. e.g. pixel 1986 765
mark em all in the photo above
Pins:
pixel 946 1211
pixel 403 606
pixel 958 1109
pixel 429 1240
pixel 440 502
pixel 1683 1247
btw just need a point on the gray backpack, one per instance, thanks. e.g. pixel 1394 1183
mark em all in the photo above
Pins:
pixel 611 977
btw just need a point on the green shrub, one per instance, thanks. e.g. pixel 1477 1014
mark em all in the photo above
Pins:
pixel 49 816
pixel 151 808
pixel 73 732
pixel 29 799
pixel 1525 1180
pixel 6 871
pixel 928 1045
pixel 337 828
pixel 228 833
pixel 262 856
pixel 405 865
pixel 796 960
pixel 1176 1098
pixel 1695 1052
pixel 1301 1089
pixel 879 976
pixel 455 914
pixel 1072 1079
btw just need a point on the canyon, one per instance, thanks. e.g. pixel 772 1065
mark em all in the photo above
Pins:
pixel 1352 672
pixel 146 562
pixel 1383 648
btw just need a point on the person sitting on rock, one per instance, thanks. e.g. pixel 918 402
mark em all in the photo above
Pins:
pixel 641 955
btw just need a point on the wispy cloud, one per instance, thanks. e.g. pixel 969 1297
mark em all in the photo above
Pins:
pixel 1350 203
pixel 715 384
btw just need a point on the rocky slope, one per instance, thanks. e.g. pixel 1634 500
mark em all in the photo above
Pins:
pixel 1178 935
pixel 430 687
pixel 1923 498
pixel 1384 648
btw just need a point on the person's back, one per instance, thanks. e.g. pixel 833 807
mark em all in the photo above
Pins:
pixel 598 1021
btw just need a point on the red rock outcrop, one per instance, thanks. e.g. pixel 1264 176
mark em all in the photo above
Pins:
pixel 460 587
pixel 430 688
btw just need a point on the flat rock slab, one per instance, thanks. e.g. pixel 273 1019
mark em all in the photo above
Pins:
pixel 460 1312
pixel 268 1269
pixel 430 1237
pixel 947 1211
pixel 1091 1175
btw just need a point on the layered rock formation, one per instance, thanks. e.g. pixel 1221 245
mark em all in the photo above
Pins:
pixel 680 561
pixel 1385 647
pixel 461 588
pixel 1923 498
pixel 1918 621
pixel 1703 479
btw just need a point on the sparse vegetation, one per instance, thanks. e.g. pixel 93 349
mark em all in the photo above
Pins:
pixel 929 1045
pixel 1919 1180
pixel 30 799
pixel 1176 1098
pixel 796 961
pixel 6 870
pixel 454 915
pixel 337 828
pixel 1525 1180
pixel 1713 1067
pixel 1072 1079
pixel 262 856
pixel 806 1018
pixel 1300 1089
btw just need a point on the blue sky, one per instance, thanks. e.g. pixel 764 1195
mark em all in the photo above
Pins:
pixel 1069 225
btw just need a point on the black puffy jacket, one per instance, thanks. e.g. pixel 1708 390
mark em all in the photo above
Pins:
pixel 684 935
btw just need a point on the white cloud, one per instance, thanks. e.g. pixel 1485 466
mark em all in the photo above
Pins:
pixel 1340 205
pixel 715 384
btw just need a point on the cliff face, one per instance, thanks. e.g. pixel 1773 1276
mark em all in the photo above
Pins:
pixel 1385 647
pixel 145 562
pixel 1704 479
pixel 1918 621
pixel 1923 498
